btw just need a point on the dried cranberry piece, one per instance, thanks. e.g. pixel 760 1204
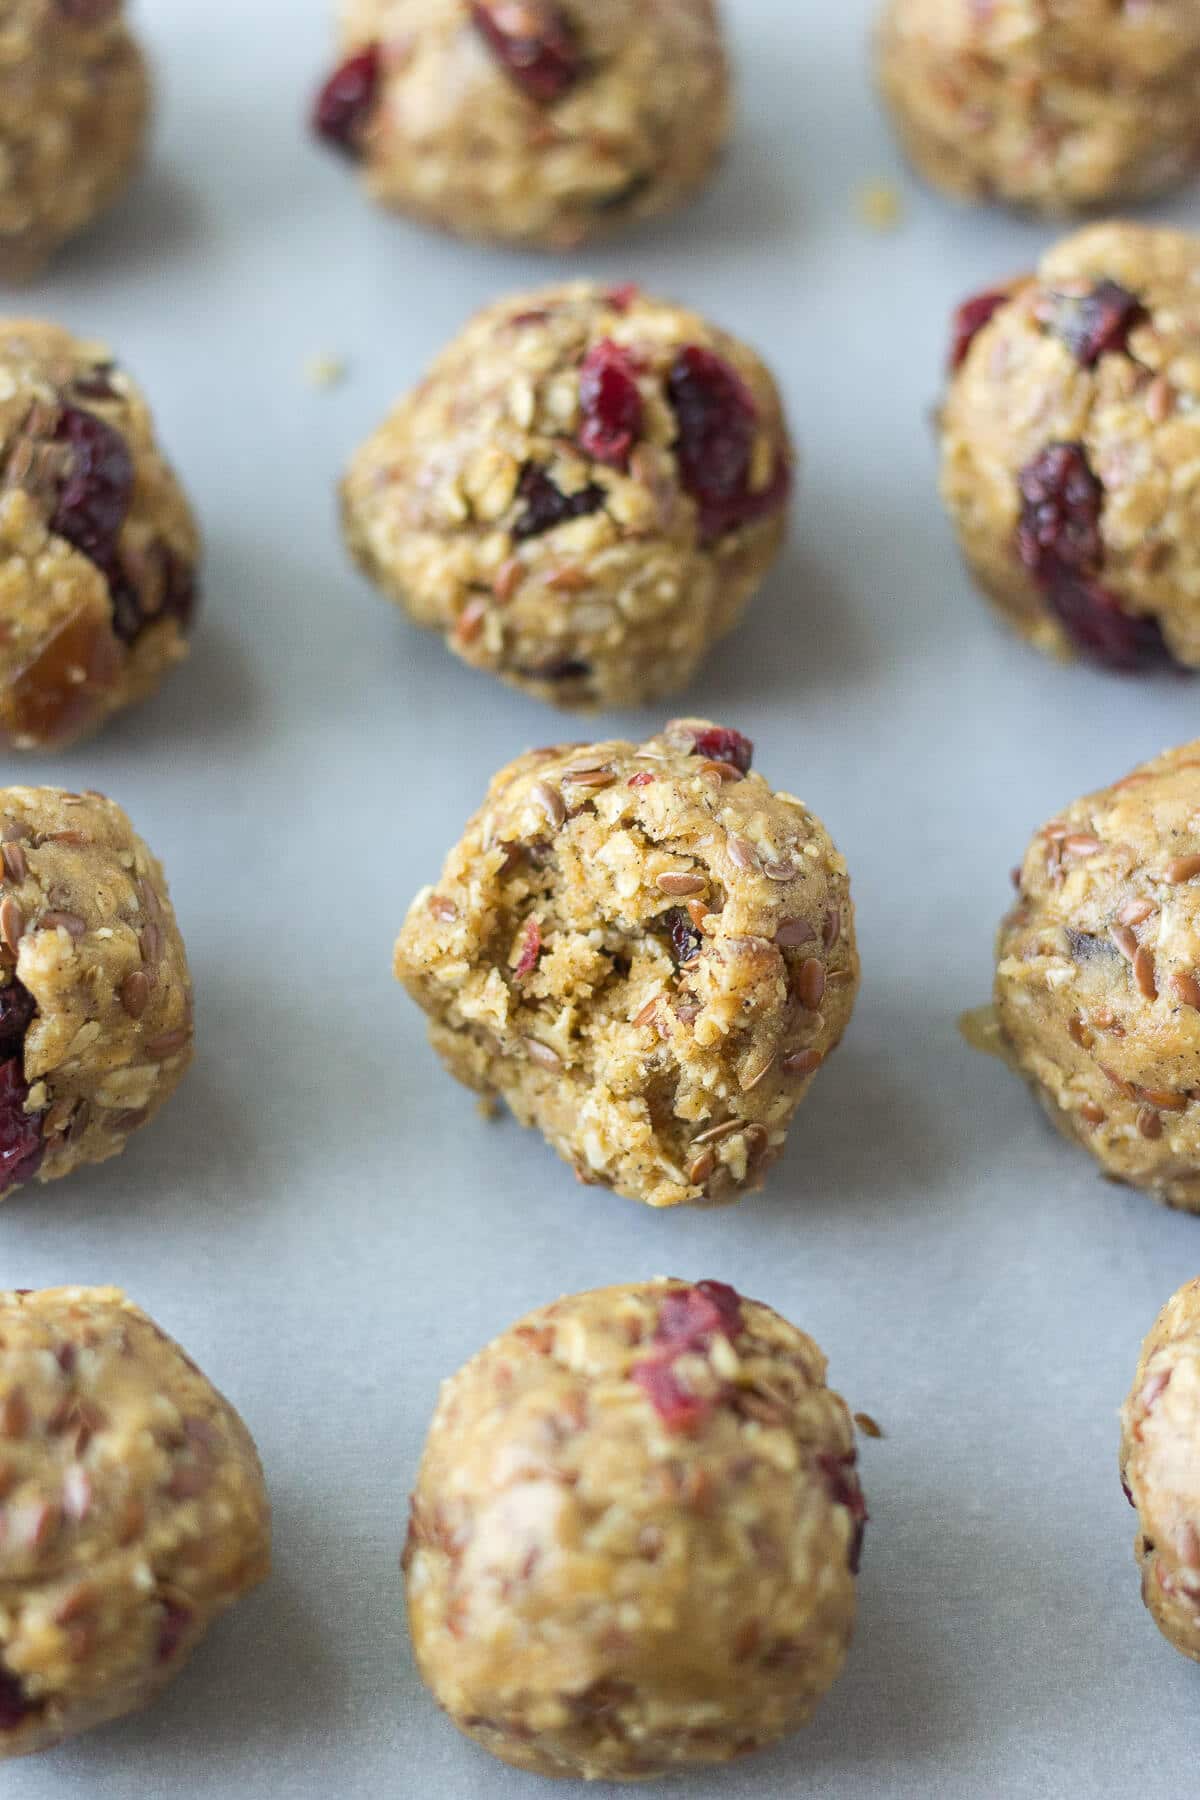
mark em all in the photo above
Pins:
pixel 1059 529
pixel 1059 542
pixel 1126 1492
pixel 686 940
pixel 1097 322
pixel 719 744
pixel 678 1410
pixel 94 498
pixel 88 12
pixel 547 506
pixel 21 1144
pixel 843 1487
pixel 175 597
pixel 531 949
pixel 1098 627
pixel 611 403
pixel 718 421
pixel 346 100
pixel 17 1007
pixel 969 320
pixel 172 1630
pixel 15 1706
pixel 533 42
pixel 687 1319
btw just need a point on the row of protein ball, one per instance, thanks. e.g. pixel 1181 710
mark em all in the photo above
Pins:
pixel 589 485
pixel 637 1522
pixel 552 123
pixel 632 1545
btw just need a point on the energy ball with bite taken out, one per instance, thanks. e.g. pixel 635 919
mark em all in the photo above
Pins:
pixel 74 107
pixel 635 1534
pixel 582 495
pixel 1160 1468
pixel 98 547
pixel 95 995
pixel 1069 432
pixel 133 1509
pixel 646 952
pixel 1057 107
pixel 544 123
pixel 1098 979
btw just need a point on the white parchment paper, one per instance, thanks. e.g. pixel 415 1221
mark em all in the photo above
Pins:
pixel 321 1217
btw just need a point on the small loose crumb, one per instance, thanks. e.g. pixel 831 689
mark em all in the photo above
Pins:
pixel 324 370
pixel 878 205
pixel 868 1425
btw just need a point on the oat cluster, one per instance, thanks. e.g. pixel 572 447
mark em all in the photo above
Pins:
pixel 1056 108
pixel 74 108
pixel 545 123
pixel 646 952
pixel 634 1534
pixel 582 494
pixel 134 1511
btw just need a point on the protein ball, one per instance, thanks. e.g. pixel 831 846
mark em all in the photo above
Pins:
pixel 74 107
pixel 95 995
pixel 1098 978
pixel 582 495
pixel 635 1533
pixel 132 1512
pixel 1160 1468
pixel 1069 432
pixel 528 121
pixel 1054 107
pixel 98 548
pixel 646 952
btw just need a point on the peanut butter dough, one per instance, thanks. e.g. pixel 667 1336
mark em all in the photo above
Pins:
pixel 1056 105
pixel 95 995
pixel 533 122
pixel 1098 976
pixel 1070 433
pixel 646 952
pixel 132 1512
pixel 74 106
pixel 1160 1468
pixel 98 547
pixel 582 495
pixel 635 1533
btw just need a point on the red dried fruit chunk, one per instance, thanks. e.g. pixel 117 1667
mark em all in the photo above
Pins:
pixel 688 1318
pixel 531 949
pixel 1099 628
pixel 720 744
pixel 1126 1492
pixel 547 506
pixel 533 42
pixel 678 1410
pixel 21 1144
pixel 94 498
pixel 172 1631
pixel 718 423
pixel 17 1007
pixel 15 1708
pixel 48 702
pixel 844 1490
pixel 686 940
pixel 1059 542
pixel 88 12
pixel 611 403
pixel 168 592
pixel 622 297
pixel 1092 324
pixel 345 102
pixel 969 320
